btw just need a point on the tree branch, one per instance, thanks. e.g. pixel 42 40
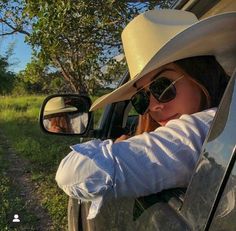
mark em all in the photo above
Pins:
pixel 64 73
pixel 14 29
pixel 8 33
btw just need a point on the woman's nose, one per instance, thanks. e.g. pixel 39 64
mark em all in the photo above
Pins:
pixel 154 104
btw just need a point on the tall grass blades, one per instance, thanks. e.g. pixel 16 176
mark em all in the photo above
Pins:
pixel 19 122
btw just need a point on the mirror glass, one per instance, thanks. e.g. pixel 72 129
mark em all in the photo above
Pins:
pixel 66 114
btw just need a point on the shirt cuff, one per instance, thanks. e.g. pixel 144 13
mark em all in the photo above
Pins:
pixel 87 173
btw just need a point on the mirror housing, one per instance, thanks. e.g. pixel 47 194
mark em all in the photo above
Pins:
pixel 66 114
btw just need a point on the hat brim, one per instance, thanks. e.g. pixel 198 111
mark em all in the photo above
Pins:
pixel 68 109
pixel 211 36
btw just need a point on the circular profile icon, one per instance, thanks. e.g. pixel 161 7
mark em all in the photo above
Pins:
pixel 16 218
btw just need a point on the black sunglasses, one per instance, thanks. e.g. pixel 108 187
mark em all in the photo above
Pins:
pixel 162 89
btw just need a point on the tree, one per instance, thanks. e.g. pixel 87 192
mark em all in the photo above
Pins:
pixel 7 78
pixel 75 37
pixel 36 78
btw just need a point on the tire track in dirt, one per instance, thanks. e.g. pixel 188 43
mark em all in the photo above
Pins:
pixel 21 179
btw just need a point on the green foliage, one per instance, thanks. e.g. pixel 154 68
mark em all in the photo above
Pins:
pixel 11 203
pixel 7 78
pixel 56 207
pixel 73 41
pixel 37 78
pixel 19 122
pixel 74 38
pixel 78 37
pixel 14 18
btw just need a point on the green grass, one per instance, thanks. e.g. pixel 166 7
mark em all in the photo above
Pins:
pixel 19 122
pixel 11 203
pixel 97 114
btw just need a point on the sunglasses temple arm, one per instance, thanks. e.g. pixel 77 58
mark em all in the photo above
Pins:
pixel 173 83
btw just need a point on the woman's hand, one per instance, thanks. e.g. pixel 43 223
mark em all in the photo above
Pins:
pixel 146 124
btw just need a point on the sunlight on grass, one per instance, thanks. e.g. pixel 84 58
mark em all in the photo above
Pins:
pixel 23 107
pixel 19 122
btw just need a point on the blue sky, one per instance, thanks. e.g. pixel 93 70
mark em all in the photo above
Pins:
pixel 22 52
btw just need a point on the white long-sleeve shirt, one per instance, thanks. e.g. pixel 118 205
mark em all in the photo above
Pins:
pixel 141 165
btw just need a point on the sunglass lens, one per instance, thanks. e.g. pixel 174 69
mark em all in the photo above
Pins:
pixel 168 94
pixel 140 102
pixel 163 90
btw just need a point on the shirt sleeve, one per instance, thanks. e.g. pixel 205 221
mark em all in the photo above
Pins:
pixel 144 164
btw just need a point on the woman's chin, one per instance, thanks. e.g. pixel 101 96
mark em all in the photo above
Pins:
pixel 165 121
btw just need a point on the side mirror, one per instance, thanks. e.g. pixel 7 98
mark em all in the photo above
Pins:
pixel 65 114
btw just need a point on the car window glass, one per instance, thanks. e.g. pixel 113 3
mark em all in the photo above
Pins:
pixel 213 162
pixel 97 115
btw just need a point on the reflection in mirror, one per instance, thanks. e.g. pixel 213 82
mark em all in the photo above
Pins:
pixel 66 114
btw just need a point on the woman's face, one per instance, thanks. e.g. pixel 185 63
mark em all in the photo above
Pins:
pixel 187 100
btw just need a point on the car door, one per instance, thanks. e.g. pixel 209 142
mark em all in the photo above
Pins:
pixel 225 213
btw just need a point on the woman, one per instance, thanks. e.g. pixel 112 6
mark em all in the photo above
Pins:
pixel 58 123
pixel 176 84
pixel 55 116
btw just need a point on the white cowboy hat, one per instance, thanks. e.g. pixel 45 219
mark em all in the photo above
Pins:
pixel 159 37
pixel 57 105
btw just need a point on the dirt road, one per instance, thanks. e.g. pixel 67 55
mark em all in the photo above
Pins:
pixel 22 183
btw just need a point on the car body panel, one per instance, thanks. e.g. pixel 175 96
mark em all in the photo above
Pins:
pixel 224 217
